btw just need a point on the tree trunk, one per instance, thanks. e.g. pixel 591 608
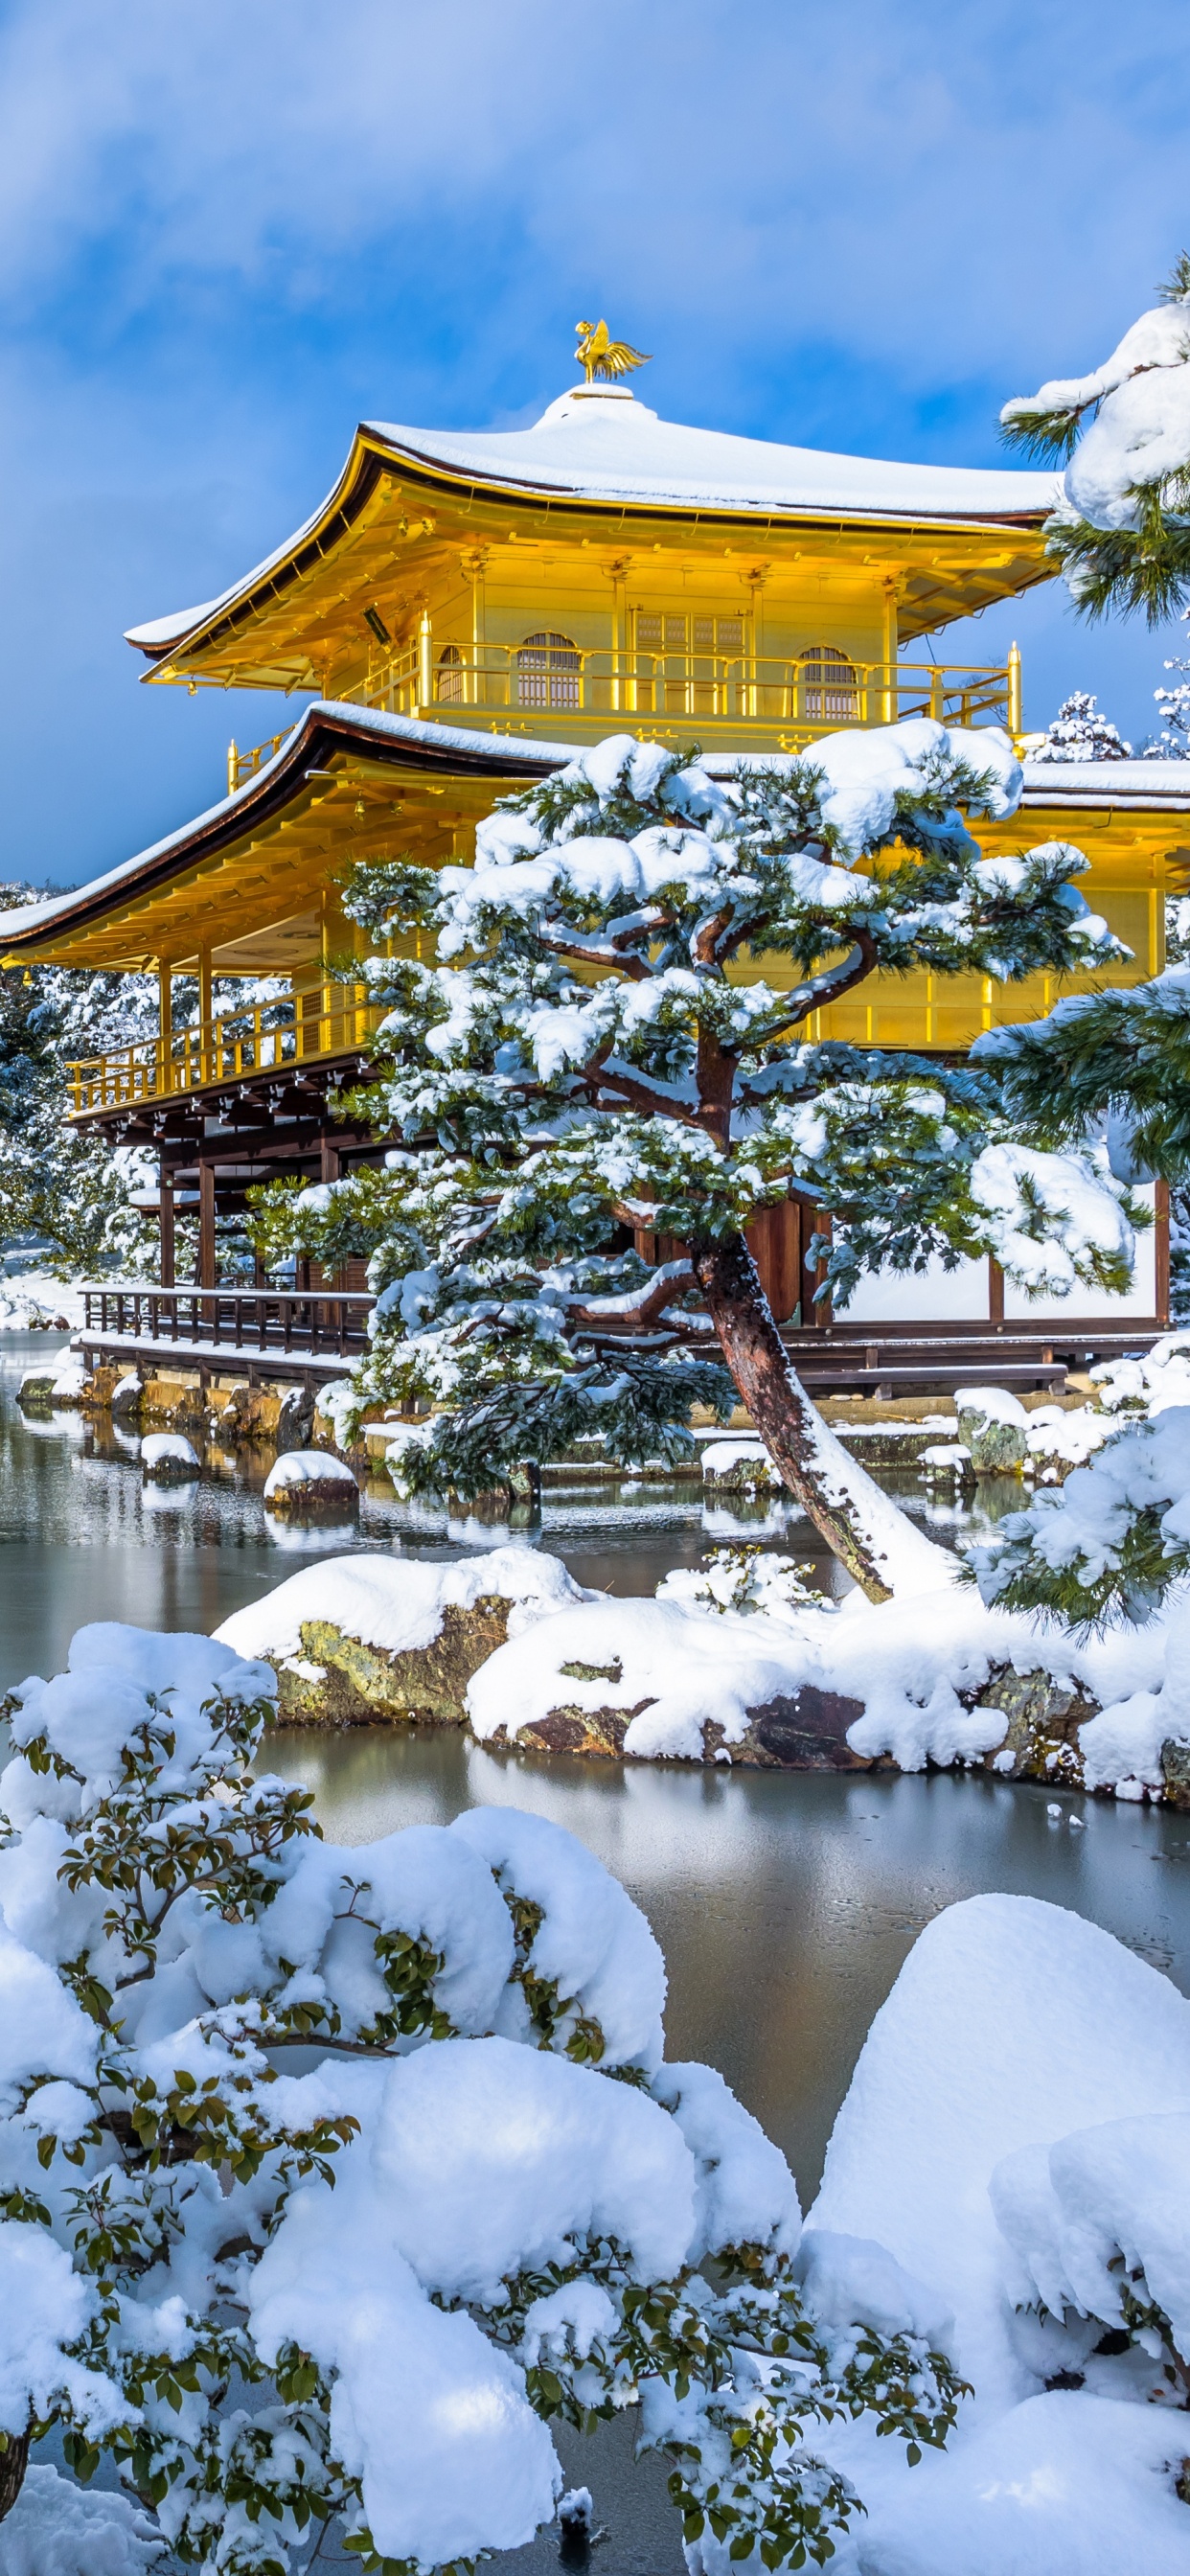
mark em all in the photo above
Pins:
pixel 14 2460
pixel 860 1524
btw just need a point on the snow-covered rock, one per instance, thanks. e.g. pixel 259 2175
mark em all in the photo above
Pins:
pixel 993 1429
pixel 62 1380
pixel 168 1457
pixel 311 1483
pixel 741 1466
pixel 361 1637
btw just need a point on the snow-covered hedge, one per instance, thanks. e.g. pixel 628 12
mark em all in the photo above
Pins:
pixel 363 2288
pixel 1017 2133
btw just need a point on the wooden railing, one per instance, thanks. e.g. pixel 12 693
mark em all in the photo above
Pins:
pixel 319 1322
pixel 791 701
pixel 244 764
pixel 331 1020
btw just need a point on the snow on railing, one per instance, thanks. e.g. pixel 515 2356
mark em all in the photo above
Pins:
pixel 318 1322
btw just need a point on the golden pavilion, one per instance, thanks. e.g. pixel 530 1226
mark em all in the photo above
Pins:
pixel 459 613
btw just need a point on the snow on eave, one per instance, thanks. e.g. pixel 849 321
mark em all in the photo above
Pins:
pixel 653 464
pixel 1161 786
pixel 337 725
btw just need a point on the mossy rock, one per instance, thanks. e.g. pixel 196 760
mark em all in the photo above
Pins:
pixel 1042 1720
pixel 340 1681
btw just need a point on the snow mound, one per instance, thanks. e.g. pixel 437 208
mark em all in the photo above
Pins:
pixel 58 2529
pixel 1067 2485
pixel 667 1669
pixel 397 1606
pixel 1012 2023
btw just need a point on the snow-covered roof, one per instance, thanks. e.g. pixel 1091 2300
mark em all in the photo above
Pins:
pixel 1143 784
pixel 326 725
pixel 609 447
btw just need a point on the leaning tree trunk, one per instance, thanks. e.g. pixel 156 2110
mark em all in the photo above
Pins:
pixel 14 2460
pixel 859 1523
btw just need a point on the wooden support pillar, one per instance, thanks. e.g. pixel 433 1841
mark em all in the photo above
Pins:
pixel 995 1292
pixel 204 1014
pixel 165 1025
pixel 165 1203
pixel 206 1225
pixel 331 1160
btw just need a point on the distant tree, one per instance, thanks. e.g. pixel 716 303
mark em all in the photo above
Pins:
pixel 1080 732
pixel 577 1061
pixel 1121 526
pixel 64 1194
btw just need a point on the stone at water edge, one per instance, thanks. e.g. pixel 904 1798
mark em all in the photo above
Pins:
pixel 992 1427
pixel 1041 1736
pixel 309 1484
pixel 168 1459
pixel 357 1639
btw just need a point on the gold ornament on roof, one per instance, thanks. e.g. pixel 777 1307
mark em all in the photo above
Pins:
pixel 603 358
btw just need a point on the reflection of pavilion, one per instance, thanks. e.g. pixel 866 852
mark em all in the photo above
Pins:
pixel 465 607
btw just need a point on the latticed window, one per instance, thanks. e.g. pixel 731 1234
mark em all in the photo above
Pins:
pixel 830 693
pixel 670 631
pixel 549 669
pixel 450 672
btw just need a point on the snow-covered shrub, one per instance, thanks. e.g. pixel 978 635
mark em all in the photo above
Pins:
pixel 1111 1541
pixel 1098 2223
pixel 577 1059
pixel 1015 2134
pixel 747 1578
pixel 362 2289
pixel 1080 732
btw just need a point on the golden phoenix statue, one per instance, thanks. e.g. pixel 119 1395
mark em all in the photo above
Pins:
pixel 603 357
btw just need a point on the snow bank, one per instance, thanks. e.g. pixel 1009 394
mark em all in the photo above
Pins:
pixel 394 1604
pixel 1071 2211
pixel 910 1665
pixel 32 1301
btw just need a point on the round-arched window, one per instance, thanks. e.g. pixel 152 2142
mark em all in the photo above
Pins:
pixel 829 691
pixel 450 672
pixel 549 671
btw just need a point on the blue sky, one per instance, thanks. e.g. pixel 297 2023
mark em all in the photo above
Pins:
pixel 228 233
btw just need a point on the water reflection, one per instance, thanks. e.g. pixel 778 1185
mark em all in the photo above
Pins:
pixel 785 1902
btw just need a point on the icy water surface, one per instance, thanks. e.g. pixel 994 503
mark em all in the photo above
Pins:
pixel 785 1903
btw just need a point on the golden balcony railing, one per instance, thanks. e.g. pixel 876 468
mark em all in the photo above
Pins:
pixel 329 1020
pixel 791 702
pixel 244 764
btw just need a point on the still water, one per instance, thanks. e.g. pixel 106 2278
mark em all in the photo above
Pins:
pixel 785 1903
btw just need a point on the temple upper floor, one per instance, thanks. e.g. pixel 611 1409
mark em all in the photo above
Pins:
pixel 606 566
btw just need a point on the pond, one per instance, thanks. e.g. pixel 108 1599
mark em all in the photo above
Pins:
pixel 785 1902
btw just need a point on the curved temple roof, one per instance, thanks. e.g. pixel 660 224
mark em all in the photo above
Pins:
pixel 605 447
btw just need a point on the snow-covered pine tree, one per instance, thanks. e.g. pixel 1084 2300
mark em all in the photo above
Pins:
pixel 1080 732
pixel 577 1061
pixel 1173 741
pixel 1121 526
